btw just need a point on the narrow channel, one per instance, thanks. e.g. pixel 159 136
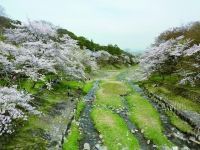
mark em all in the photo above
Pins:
pixel 90 134
pixel 179 138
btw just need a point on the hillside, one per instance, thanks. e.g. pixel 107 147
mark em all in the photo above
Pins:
pixel 175 58
pixel 172 71
pixel 60 91
pixel 39 64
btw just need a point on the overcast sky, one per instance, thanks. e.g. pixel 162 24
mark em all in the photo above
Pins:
pixel 132 24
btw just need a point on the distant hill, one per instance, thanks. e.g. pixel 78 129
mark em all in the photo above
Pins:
pixel 89 44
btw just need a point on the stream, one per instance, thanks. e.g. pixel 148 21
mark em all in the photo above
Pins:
pixel 179 138
pixel 90 134
pixel 134 130
pixel 92 138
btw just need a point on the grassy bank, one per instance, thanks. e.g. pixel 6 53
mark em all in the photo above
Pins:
pixel 177 101
pixel 113 129
pixel 147 119
pixel 111 126
pixel 71 141
pixel 179 123
pixel 109 94
pixel 33 133
pixel 79 108
pixel 87 87
pixel 73 138
pixel 182 97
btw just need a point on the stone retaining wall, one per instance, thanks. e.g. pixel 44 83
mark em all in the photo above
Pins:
pixel 191 117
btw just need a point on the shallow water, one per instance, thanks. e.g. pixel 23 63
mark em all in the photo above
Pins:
pixel 90 134
pixel 177 137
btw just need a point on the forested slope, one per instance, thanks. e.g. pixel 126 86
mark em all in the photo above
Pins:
pixel 41 66
pixel 172 70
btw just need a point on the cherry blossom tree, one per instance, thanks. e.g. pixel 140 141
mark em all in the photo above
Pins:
pixel 33 50
pixel 164 57
pixel 14 105
pixel 39 51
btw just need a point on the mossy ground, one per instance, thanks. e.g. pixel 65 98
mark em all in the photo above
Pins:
pixel 80 107
pixel 109 94
pixel 141 113
pixel 179 123
pixel 147 119
pixel 178 101
pixel 180 96
pixel 33 134
pixel 72 140
pixel 87 86
pixel 114 130
pixel 111 126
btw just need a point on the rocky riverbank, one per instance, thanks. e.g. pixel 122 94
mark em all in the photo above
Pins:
pixel 192 118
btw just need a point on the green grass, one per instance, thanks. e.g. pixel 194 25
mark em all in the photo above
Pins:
pixel 114 130
pixel 111 126
pixel 31 134
pixel 80 106
pixel 173 92
pixel 105 74
pixel 114 88
pixel 87 87
pixel 109 94
pixel 179 123
pixel 47 99
pixel 109 101
pixel 28 84
pixel 169 79
pixel 2 38
pixel 147 118
pixel 72 140
pixel 33 131
pixel 74 84
pixel 178 101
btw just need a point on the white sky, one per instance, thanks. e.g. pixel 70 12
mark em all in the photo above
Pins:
pixel 130 24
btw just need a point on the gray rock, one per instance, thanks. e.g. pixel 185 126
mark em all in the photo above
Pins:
pixel 191 138
pixel 101 136
pixel 132 131
pixel 194 140
pixel 198 138
pixel 97 146
pixel 148 142
pixel 185 148
pixel 166 148
pixel 179 135
pixel 154 146
pixel 174 148
pixel 169 135
pixel 142 131
pixel 103 148
pixel 86 146
pixel 193 117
